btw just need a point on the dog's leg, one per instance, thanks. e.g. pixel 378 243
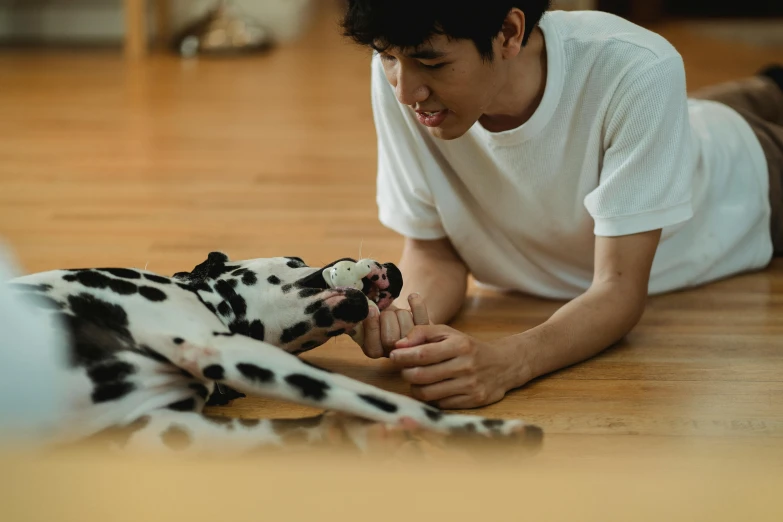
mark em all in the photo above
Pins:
pixel 257 368
pixel 196 434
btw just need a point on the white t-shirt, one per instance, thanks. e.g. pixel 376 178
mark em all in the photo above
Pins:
pixel 614 148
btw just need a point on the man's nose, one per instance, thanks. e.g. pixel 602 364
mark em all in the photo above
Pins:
pixel 410 89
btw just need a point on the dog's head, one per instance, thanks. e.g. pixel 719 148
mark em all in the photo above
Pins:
pixel 285 302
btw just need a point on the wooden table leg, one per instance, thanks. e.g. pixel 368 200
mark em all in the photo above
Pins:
pixel 135 29
pixel 162 22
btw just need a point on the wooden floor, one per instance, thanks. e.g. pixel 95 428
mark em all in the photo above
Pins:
pixel 156 164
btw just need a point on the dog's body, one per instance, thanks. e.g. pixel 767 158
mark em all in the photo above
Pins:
pixel 146 352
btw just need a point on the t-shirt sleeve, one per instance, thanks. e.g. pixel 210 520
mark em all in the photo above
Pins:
pixel 645 180
pixel 405 201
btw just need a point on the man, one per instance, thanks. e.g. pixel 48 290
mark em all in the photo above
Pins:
pixel 557 154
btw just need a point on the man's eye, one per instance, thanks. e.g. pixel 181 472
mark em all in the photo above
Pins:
pixel 433 66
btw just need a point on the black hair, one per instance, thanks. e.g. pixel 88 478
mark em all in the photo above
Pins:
pixel 407 24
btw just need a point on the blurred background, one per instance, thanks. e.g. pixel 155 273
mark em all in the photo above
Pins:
pixel 147 133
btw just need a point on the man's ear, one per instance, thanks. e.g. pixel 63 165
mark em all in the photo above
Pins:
pixel 512 33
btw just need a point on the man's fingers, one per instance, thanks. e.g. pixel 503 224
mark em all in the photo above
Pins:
pixel 405 320
pixel 433 373
pixel 438 391
pixel 372 347
pixel 421 334
pixel 418 309
pixel 390 330
pixel 425 354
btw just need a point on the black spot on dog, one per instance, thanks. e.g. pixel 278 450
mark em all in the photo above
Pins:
pixel 124 273
pixel 201 390
pixel 176 438
pixel 323 318
pixel 310 388
pixel 203 287
pixel 273 280
pixel 378 264
pixel 239 305
pixel 335 333
pixel 286 288
pixel 256 373
pixel 89 278
pixel 224 308
pixel 309 345
pixel 233 283
pixel 101 313
pixel 353 308
pixel 312 307
pixel 188 404
pixel 158 279
pixel 241 327
pixel 179 340
pixel 235 301
pixel 383 276
pixel 375 277
pixel 122 287
pixel 111 391
pixel 186 287
pixel 257 330
pixel 227 422
pixel 492 423
pixel 294 332
pixel 381 404
pixel 25 287
pixel 433 414
pixel 239 272
pixel 295 262
pixel 309 292
pixel 111 371
pixel 222 395
pixel 224 334
pixel 210 307
pixel 249 278
pixel 214 372
pixel 152 294
pixel 249 423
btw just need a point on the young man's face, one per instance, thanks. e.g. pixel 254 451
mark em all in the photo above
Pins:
pixel 445 81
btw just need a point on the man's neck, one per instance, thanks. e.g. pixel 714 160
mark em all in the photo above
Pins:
pixel 526 82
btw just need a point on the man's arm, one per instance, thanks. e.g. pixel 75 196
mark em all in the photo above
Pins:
pixel 454 370
pixel 600 317
pixel 434 270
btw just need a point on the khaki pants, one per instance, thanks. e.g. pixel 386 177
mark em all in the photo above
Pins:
pixel 760 101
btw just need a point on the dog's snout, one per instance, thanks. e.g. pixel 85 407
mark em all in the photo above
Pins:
pixel 353 309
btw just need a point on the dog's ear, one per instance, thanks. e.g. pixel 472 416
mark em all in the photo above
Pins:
pixel 211 268
pixel 316 279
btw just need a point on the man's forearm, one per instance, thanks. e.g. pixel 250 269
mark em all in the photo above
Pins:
pixel 579 330
pixel 437 275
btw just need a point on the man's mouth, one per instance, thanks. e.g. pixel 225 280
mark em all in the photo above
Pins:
pixel 432 118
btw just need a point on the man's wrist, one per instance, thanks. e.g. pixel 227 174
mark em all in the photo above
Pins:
pixel 520 352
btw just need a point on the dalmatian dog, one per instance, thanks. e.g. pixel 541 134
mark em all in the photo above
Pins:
pixel 147 352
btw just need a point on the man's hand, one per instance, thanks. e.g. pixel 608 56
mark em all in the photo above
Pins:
pixel 454 370
pixel 381 332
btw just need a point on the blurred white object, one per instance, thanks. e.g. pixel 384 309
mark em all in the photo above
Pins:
pixel 224 30
pixel 32 359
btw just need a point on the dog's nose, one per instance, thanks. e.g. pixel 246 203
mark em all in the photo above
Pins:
pixel 353 309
